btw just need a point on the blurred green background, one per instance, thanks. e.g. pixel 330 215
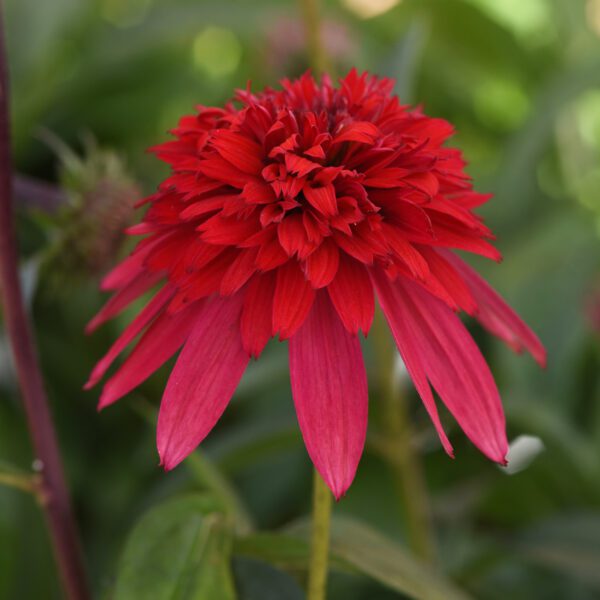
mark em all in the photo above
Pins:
pixel 95 82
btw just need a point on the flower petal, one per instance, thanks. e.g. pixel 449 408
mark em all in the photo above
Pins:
pixel 352 295
pixel 293 298
pixel 449 279
pixel 329 385
pixel 256 325
pixel 203 380
pixel 123 298
pixel 130 267
pixel 496 315
pixel 407 342
pixel 322 198
pixel 322 265
pixel 239 150
pixel 241 269
pixel 150 311
pixel 450 359
pixel 358 131
pixel 161 340
pixel 292 235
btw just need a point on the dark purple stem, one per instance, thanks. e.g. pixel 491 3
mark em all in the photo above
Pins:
pixel 54 495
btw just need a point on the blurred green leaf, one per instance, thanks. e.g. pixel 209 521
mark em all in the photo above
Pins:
pixel 284 550
pixel 253 442
pixel 256 580
pixel 516 176
pixel 372 554
pixel 403 64
pixel 179 550
pixel 570 544
pixel 355 548
pixel 208 475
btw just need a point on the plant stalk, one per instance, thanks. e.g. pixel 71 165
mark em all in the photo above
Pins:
pixel 319 547
pixel 54 496
pixel 322 498
pixel 314 37
pixel 406 466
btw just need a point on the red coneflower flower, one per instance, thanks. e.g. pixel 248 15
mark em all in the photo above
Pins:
pixel 285 216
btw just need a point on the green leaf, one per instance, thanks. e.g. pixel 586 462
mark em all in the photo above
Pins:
pixel 406 57
pixel 517 174
pixel 179 550
pixel 375 555
pixel 208 476
pixel 567 544
pixel 287 551
pixel 257 580
pixel 355 548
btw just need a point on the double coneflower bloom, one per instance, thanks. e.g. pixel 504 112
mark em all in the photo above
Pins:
pixel 286 213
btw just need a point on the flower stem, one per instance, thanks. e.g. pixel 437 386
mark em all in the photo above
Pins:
pixel 312 24
pixel 406 466
pixel 319 548
pixel 53 490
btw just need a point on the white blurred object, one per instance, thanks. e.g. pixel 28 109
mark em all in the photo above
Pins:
pixel 6 369
pixel 367 9
pixel 29 277
pixel 400 372
pixel 522 451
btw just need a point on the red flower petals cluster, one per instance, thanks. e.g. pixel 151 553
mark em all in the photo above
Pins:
pixel 285 214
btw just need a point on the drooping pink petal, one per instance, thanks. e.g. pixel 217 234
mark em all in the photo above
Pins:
pixel 447 277
pixel 352 295
pixel 329 386
pixel 406 252
pixel 123 298
pixel 161 340
pixel 238 273
pixel 203 380
pixel 406 340
pixel 256 325
pixel 150 311
pixel 130 267
pixel 322 264
pixel 293 298
pixel 496 315
pixel 440 347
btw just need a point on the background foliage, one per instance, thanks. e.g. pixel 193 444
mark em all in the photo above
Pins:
pixel 521 82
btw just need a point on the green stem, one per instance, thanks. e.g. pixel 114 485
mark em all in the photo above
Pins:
pixel 319 549
pixel 406 466
pixel 312 24
pixel 23 482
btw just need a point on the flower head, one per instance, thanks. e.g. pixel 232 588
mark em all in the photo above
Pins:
pixel 285 214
